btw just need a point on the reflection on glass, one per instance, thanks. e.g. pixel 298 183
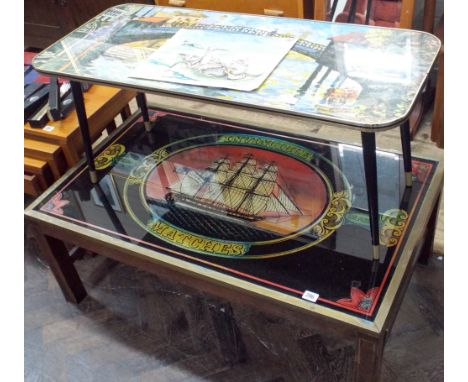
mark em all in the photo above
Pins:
pixel 107 190
pixel 384 13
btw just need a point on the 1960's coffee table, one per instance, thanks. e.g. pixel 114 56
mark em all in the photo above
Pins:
pixel 352 76
pixel 229 210
pixel 278 220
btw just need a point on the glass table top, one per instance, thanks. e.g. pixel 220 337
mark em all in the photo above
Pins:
pixel 354 75
pixel 285 213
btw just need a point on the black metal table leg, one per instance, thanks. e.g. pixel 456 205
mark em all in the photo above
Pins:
pixel 368 11
pixel 83 122
pixel 370 169
pixel 406 146
pixel 141 101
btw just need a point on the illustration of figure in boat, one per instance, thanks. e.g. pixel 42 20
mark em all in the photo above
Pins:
pixel 244 191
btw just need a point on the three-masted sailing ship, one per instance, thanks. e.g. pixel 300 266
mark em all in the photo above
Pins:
pixel 243 191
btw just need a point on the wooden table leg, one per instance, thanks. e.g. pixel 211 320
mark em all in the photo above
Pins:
pixel 229 336
pixel 369 356
pixel 61 265
pixel 428 244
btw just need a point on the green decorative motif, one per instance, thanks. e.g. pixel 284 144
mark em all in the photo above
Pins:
pixel 393 224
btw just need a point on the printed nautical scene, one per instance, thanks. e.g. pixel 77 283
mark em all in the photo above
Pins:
pixel 258 189
pixel 216 59
pixel 345 73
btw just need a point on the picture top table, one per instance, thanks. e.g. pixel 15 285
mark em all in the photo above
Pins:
pixel 353 75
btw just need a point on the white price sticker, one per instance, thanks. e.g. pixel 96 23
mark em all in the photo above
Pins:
pixel 310 296
pixel 48 128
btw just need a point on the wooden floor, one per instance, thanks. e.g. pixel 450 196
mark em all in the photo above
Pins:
pixel 135 327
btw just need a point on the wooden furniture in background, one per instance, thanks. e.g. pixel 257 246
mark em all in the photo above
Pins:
pixel 46 21
pixel 38 169
pixel 429 15
pixel 102 105
pixel 437 132
pixel 388 13
pixel 32 185
pixel 286 8
pixel 49 153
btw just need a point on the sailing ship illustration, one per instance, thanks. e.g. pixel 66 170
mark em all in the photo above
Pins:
pixel 243 191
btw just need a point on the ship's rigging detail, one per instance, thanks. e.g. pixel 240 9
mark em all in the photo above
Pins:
pixel 244 190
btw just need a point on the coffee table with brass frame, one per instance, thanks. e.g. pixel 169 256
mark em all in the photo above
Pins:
pixel 349 76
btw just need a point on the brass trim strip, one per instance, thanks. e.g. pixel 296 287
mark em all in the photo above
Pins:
pixel 408 256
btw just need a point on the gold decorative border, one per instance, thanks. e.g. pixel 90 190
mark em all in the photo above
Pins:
pixel 109 156
pixel 331 219
pixel 393 223
pixel 339 206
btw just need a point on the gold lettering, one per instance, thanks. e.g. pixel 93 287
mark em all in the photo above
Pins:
pixel 285 147
pixel 195 242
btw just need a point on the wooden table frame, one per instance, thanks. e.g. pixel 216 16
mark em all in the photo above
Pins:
pixel 369 336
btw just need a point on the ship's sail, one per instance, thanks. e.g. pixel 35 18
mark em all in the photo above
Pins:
pixel 243 190
pixel 281 203
pixel 265 181
pixel 213 186
pixel 189 184
pixel 236 183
